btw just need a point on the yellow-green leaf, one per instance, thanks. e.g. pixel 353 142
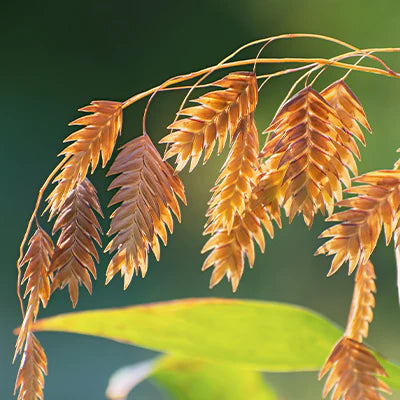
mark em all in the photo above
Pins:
pixel 257 335
pixel 186 379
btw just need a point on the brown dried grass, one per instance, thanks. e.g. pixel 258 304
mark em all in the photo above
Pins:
pixel 72 262
pixel 308 139
pixel 238 176
pixel 37 278
pixel 375 206
pixel 217 113
pixel 98 137
pixel 30 378
pixel 353 373
pixel 305 162
pixel 354 369
pixel 147 193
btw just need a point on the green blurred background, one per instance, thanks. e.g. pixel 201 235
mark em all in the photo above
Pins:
pixel 58 56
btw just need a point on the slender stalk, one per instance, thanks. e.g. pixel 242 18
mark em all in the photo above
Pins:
pixel 266 42
pixel 304 36
pixel 365 53
pixel 287 71
pixel 319 61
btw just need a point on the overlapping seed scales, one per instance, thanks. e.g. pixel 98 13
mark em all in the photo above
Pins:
pixel 354 371
pixel 353 367
pixel 229 248
pixel 351 114
pixel 308 141
pixel 73 259
pixel 147 193
pixel 37 278
pixel 349 110
pixel 238 176
pixel 234 218
pixel 30 378
pixel 217 113
pixel 376 205
pixel 97 137
pixel 361 312
pixel 270 189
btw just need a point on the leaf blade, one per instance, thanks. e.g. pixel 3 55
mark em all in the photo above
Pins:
pixel 255 335
pixel 187 379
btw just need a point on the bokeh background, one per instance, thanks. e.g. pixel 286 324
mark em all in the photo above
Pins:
pixel 57 56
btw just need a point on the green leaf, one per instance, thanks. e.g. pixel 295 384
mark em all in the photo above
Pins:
pixel 257 335
pixel 264 336
pixel 185 379
pixel 393 371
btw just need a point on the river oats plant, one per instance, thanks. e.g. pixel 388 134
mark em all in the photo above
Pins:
pixel 305 166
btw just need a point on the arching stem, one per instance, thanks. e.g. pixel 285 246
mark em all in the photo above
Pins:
pixel 319 61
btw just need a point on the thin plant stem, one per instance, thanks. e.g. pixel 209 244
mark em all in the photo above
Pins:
pixel 348 72
pixel 332 63
pixel 319 61
pixel 266 41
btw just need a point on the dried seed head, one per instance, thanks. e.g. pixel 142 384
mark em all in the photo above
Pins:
pixel 147 193
pixel 361 312
pixel 37 278
pixel 73 261
pixel 353 373
pixel 217 113
pixel 349 110
pixel 234 184
pixel 30 378
pixel 308 139
pixel 228 249
pixel 376 204
pixel 97 137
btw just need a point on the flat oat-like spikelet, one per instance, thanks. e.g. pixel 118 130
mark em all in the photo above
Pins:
pixel 354 367
pixel 307 139
pixel 228 249
pixel 361 312
pixel 270 189
pixel 217 113
pixel 234 184
pixel 147 193
pixel 36 276
pixel 75 250
pixel 349 110
pixel 30 378
pixel 376 204
pixel 100 132
pixel 354 371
